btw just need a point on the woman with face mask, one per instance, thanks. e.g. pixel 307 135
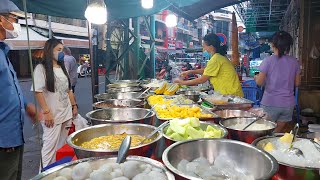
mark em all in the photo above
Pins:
pixel 54 94
pixel 219 70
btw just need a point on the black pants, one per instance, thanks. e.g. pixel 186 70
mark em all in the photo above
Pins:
pixel 73 89
pixel 11 164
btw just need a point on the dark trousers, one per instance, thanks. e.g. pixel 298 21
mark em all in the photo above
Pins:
pixel 11 164
pixel 73 89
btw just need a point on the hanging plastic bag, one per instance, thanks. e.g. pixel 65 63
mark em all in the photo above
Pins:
pixel 315 52
pixel 80 122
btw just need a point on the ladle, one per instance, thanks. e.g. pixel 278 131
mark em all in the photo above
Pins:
pixel 293 150
pixel 124 149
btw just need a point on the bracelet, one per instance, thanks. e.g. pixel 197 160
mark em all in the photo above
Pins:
pixel 74 105
pixel 46 112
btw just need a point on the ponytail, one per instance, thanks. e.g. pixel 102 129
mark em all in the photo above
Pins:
pixel 213 40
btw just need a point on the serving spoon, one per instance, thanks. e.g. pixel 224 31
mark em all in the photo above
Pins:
pixel 154 132
pixel 293 150
pixel 124 149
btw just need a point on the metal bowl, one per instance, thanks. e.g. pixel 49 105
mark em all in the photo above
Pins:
pixel 121 115
pixel 86 134
pixel 118 103
pixel 127 95
pixel 248 158
pixel 97 162
pixel 122 85
pixel 124 89
pixel 247 136
pixel 287 171
pixel 203 126
pixel 130 81
pixel 226 114
pixel 193 95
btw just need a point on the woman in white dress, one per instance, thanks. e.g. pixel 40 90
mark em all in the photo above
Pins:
pixel 56 99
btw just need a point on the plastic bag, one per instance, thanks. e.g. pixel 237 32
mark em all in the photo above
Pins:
pixel 315 52
pixel 80 122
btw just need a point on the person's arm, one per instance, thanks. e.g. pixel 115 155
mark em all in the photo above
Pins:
pixel 196 81
pixel 260 78
pixel 31 110
pixel 73 104
pixel 48 118
pixel 196 71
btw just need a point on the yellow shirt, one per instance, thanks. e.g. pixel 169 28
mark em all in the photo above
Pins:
pixel 223 76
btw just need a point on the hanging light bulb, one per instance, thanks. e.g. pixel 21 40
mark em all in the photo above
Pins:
pixel 147 4
pixel 96 12
pixel 171 20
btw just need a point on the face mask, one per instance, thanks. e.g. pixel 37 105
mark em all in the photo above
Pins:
pixel 206 54
pixel 59 56
pixel 10 34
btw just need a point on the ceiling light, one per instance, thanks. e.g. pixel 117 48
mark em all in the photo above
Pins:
pixel 96 12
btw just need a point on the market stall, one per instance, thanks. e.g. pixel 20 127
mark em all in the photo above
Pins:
pixel 191 126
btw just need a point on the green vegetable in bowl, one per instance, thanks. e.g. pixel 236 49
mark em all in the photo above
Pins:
pixel 190 128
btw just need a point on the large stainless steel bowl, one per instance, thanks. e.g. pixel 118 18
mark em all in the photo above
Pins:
pixel 226 114
pixel 127 95
pixel 121 115
pixel 203 126
pixel 84 135
pixel 287 171
pixel 130 81
pixel 248 158
pixel 247 136
pixel 124 89
pixel 193 95
pixel 97 162
pixel 118 103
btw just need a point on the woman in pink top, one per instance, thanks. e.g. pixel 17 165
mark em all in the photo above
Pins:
pixel 279 74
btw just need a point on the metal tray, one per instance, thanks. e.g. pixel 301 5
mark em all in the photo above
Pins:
pixel 234 103
pixel 203 110
pixel 167 97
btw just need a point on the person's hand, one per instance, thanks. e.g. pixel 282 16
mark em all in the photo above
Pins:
pixel 33 113
pixel 184 74
pixel 179 81
pixel 48 120
pixel 74 112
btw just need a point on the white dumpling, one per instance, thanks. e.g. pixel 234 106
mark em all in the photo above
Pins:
pixel 121 178
pixel 142 176
pixel 118 171
pixel 100 175
pixel 60 178
pixel 157 175
pixel 114 165
pixel 81 171
pixel 157 169
pixel 130 169
pixel 147 170
pixel 106 168
pixel 67 173
pixel 116 174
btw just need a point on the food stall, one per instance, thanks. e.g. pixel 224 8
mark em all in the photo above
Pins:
pixel 192 124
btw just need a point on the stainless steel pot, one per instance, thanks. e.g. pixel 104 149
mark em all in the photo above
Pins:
pixel 121 115
pixel 124 89
pixel 287 171
pixel 84 135
pixel 97 161
pixel 193 95
pixel 248 158
pixel 247 136
pixel 127 95
pixel 118 103
pixel 203 126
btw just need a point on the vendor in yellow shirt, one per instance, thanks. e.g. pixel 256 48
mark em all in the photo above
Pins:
pixel 219 70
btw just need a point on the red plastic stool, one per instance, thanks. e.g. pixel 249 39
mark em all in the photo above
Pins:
pixel 66 150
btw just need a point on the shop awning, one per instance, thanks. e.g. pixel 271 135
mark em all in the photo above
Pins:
pixel 74 42
pixel 120 9
pixel 20 43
